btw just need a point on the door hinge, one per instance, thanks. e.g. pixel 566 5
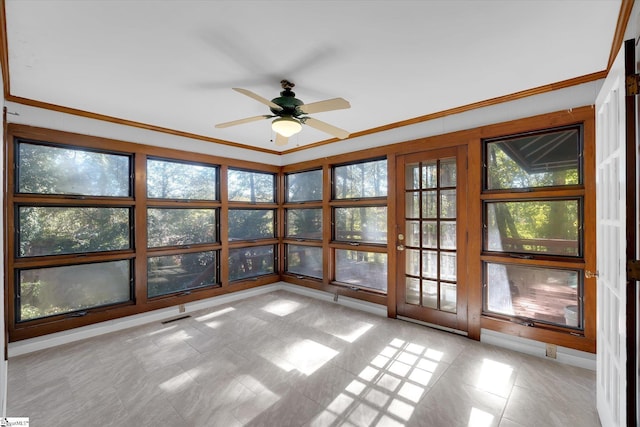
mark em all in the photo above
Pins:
pixel 633 269
pixel 632 84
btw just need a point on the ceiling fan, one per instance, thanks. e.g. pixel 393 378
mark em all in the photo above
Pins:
pixel 292 113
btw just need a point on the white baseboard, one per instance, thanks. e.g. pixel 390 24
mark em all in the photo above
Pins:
pixel 566 355
pixel 523 345
pixel 59 338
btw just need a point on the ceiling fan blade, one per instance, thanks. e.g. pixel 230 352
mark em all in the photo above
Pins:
pixel 328 105
pixel 242 121
pixel 258 98
pixel 281 140
pixel 326 127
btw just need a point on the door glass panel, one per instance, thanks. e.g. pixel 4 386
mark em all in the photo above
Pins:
pixel 430 234
pixel 413 262
pixel 413 233
pixel 448 172
pixel 430 293
pixel 448 297
pixel 448 204
pixel 430 264
pixel 412 208
pixel 430 229
pixel 429 204
pixel 448 235
pixel 412 176
pixel 429 175
pixel 412 290
pixel 447 266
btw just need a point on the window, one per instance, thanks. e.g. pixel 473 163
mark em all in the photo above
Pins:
pixel 251 262
pixel 304 223
pixel 361 224
pixel 304 186
pixel 251 224
pixel 362 269
pixel 172 231
pixel 73 217
pixel 533 200
pixel 360 180
pixel 50 291
pixel 169 179
pixel 251 187
pixel 359 219
pixel 180 272
pixel 304 260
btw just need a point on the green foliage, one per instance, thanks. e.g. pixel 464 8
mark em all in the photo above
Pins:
pixel 252 187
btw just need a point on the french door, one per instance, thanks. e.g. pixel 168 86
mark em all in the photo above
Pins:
pixel 616 242
pixel 431 237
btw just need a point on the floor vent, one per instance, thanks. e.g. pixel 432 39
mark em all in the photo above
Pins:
pixel 175 320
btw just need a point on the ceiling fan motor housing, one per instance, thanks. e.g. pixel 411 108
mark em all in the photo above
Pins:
pixel 289 103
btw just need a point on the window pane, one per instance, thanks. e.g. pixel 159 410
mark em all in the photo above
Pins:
pixel 252 187
pixel 304 224
pixel 304 260
pixel 67 230
pixel 430 234
pixel 412 205
pixel 50 291
pixel 430 294
pixel 534 160
pixel 412 290
pixel 430 204
pixel 44 169
pixel 448 297
pixel 361 224
pixel 548 227
pixel 251 262
pixel 362 269
pixel 180 273
pixel 177 227
pixel 360 180
pixel 448 175
pixel 543 294
pixel 182 181
pixel 448 204
pixel 448 235
pixel 251 224
pixel 304 186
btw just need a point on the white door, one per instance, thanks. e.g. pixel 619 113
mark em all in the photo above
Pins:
pixel 611 247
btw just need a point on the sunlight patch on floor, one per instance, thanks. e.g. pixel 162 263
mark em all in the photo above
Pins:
pixel 479 418
pixel 387 390
pixel 282 307
pixel 494 377
pixel 214 314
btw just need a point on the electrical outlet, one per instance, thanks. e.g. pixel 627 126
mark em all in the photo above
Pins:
pixel 552 351
pixel 181 308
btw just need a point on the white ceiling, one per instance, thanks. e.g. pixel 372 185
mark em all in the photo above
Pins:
pixel 172 64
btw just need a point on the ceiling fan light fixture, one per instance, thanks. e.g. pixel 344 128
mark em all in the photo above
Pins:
pixel 286 126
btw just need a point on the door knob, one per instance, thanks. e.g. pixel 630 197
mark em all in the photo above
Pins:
pixel 400 247
pixel 590 274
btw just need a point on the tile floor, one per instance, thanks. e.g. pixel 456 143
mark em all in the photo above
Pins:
pixel 281 359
